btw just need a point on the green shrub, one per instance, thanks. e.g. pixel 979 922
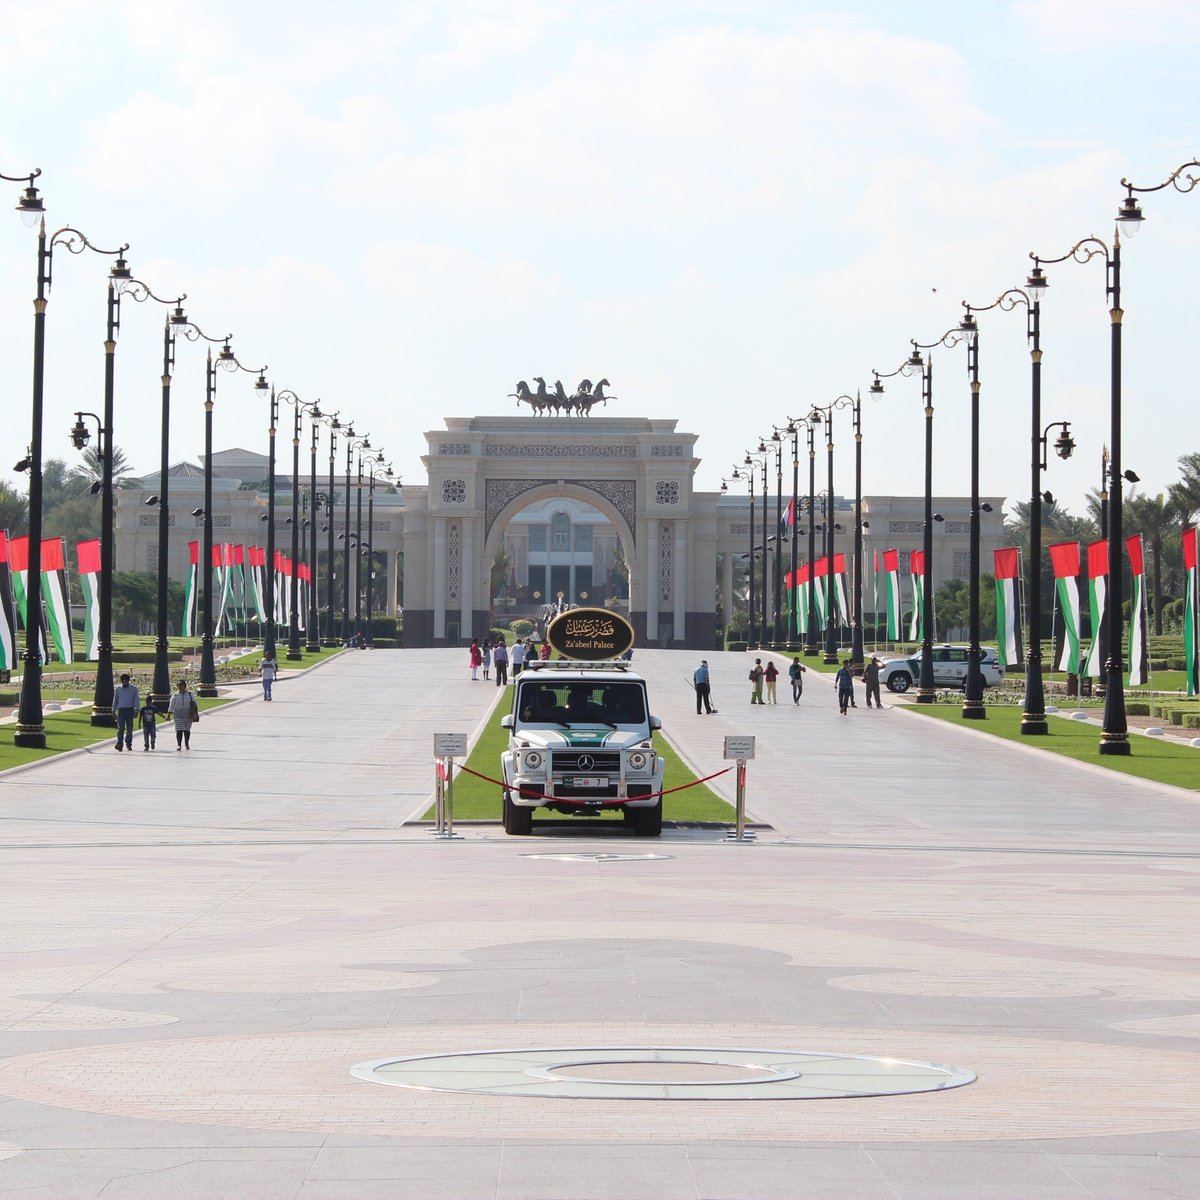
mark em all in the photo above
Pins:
pixel 735 645
pixel 1191 721
pixel 386 643
pixel 1137 708
pixel 7 698
pixel 521 627
pixel 142 656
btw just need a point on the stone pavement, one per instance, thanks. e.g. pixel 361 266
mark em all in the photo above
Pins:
pixel 195 949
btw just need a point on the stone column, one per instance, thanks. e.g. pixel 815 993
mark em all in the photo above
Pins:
pixel 679 581
pixel 651 581
pixel 727 586
pixel 439 578
pixel 467 578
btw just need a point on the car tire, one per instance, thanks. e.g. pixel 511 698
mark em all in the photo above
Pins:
pixel 518 821
pixel 649 820
pixel 899 681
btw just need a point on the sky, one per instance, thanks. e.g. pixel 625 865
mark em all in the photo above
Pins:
pixel 732 209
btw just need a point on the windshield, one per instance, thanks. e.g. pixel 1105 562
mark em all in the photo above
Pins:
pixel 575 703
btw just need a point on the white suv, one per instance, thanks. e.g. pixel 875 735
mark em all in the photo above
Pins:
pixel 580 742
pixel 949 668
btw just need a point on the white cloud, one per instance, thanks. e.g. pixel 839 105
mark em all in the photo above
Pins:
pixel 1080 26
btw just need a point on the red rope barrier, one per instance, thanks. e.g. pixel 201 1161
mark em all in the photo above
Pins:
pixel 524 792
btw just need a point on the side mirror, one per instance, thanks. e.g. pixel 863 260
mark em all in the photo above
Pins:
pixel 506 722
pixel 655 723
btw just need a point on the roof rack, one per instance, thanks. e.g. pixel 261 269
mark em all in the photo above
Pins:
pixel 575 664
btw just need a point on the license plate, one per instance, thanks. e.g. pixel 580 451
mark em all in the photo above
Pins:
pixel 586 781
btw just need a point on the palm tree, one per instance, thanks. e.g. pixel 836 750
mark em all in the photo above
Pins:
pixel 82 477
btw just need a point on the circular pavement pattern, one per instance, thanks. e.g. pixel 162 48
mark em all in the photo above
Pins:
pixel 663 1073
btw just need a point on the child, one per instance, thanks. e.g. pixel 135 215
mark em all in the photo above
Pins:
pixel 148 720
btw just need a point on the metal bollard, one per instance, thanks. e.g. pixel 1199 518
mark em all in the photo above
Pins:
pixel 741 750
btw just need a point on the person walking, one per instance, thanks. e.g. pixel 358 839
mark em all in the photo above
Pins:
pixel 756 682
pixel 184 712
pixel 487 657
pixel 845 687
pixel 517 657
pixel 268 669
pixel 771 675
pixel 703 687
pixel 796 675
pixel 476 659
pixel 500 661
pixel 544 653
pixel 148 720
pixel 125 705
pixel 871 679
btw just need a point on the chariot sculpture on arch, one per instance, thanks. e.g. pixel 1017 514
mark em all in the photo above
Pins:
pixel 555 402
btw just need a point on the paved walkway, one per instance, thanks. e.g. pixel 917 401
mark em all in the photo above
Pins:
pixel 196 948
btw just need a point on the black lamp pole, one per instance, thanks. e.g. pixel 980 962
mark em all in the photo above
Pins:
pixel 1114 739
pixel 793 624
pixel 294 653
pixel 752 628
pixel 31 729
pixel 856 635
pixel 812 635
pixel 777 635
pixel 330 567
pixel 358 542
pixel 763 632
pixel 269 571
pixel 313 632
pixel 370 547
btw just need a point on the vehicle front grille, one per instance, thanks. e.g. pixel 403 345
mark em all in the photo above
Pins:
pixel 603 762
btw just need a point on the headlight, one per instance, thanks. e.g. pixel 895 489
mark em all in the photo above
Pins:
pixel 638 760
pixel 533 760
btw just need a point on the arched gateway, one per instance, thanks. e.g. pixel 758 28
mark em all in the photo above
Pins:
pixel 484 472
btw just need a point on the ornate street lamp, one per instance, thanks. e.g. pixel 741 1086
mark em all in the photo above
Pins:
pixel 750 462
pixel 752 620
pixel 31 729
pixel 353 442
pixel 1114 739
pixel 777 634
pixel 918 366
pixel 811 633
pixel 330 638
pixel 369 551
pixel 313 632
pixel 301 407
pixel 793 623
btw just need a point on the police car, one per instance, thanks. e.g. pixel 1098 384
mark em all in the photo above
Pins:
pixel 949 668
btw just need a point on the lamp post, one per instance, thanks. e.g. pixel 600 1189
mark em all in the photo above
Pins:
pixel 777 634
pixel 313 632
pixel 370 547
pixel 330 638
pixel 752 621
pixel 269 570
pixel 920 366
pixel 793 629
pixel 750 462
pixel 301 407
pixel 811 633
pixel 31 729
pixel 1114 738
pixel 102 695
pixel 353 442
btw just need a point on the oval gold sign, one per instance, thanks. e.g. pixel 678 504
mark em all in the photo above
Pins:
pixel 590 634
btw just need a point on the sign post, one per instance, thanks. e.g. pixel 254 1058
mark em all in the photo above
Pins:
pixel 446 748
pixel 740 748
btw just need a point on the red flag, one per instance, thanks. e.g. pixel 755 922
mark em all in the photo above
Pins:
pixel 1133 547
pixel 18 553
pixel 1064 558
pixel 891 560
pixel 194 553
pixel 1189 549
pixel 216 556
pixel 88 556
pixel 258 556
pixel 1097 558
pixel 916 562
pixel 839 564
pixel 52 555
pixel 239 555
pixel 1007 562
pixel 803 574
pixel 821 567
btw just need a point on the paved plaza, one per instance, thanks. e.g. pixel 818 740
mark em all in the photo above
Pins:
pixel 198 948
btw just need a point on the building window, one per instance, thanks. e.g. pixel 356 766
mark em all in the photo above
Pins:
pixel 537 538
pixel 583 539
pixel 560 532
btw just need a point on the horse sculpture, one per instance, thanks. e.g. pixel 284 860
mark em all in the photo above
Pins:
pixel 581 401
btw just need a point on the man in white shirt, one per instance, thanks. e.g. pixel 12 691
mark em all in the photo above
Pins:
pixel 517 655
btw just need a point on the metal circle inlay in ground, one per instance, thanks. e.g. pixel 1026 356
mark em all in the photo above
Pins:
pixel 664 1073
pixel 599 856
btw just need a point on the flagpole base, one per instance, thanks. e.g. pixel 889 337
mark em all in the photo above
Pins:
pixel 104 717
pixel 926 695
pixel 830 660
pixel 30 737
pixel 1034 725
pixel 974 710
pixel 207 691
pixel 1114 744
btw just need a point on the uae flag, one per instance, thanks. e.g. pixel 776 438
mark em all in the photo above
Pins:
pixel 839 587
pixel 820 591
pixel 87 555
pixel 18 557
pixel 1064 559
pixel 1097 564
pixel 1137 612
pixel 302 574
pixel 223 564
pixel 1189 608
pixel 8 612
pixel 803 587
pixel 1008 626
pixel 789 593
pixel 788 520
pixel 188 626
pixel 54 596
pixel 288 568
pixel 891 574
pixel 916 565
pixel 258 560
pixel 875 586
pixel 239 578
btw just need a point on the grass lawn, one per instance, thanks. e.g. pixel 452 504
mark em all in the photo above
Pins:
pixel 69 731
pixel 1150 758
pixel 477 800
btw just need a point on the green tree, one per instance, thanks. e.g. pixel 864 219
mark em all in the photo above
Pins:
pixel 951 606
pixel 14 510
pixel 499 571
pixel 1155 518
